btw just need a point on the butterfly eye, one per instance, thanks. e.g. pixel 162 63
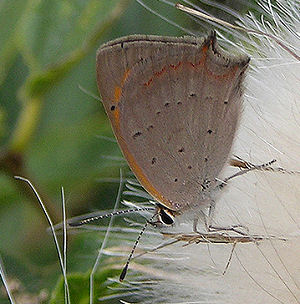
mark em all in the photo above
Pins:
pixel 166 217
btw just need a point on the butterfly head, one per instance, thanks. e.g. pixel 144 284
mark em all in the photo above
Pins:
pixel 164 215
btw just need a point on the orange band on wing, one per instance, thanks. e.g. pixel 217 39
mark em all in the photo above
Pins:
pixel 117 94
pixel 118 89
pixel 130 159
pixel 143 179
pixel 178 65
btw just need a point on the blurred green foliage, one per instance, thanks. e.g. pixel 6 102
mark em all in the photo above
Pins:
pixel 49 127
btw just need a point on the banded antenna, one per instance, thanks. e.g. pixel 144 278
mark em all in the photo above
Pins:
pixel 124 271
pixel 120 212
pixel 89 219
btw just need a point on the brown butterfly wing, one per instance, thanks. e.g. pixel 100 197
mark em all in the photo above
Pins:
pixel 174 111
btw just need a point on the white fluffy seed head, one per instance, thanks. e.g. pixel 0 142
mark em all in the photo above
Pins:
pixel 266 203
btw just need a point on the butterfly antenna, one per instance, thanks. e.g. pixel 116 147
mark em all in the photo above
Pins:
pixel 108 215
pixel 124 271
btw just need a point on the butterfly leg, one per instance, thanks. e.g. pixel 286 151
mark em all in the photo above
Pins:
pixel 246 167
pixel 233 228
pixel 211 228
pixel 207 220
pixel 230 258
pixel 204 219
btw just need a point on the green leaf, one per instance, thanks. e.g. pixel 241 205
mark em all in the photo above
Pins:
pixel 79 286
pixel 52 30
pixel 10 13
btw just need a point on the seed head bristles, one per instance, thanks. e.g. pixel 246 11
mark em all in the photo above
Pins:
pixel 163 17
pixel 135 189
pixel 220 238
pixel 241 28
pixel 89 93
